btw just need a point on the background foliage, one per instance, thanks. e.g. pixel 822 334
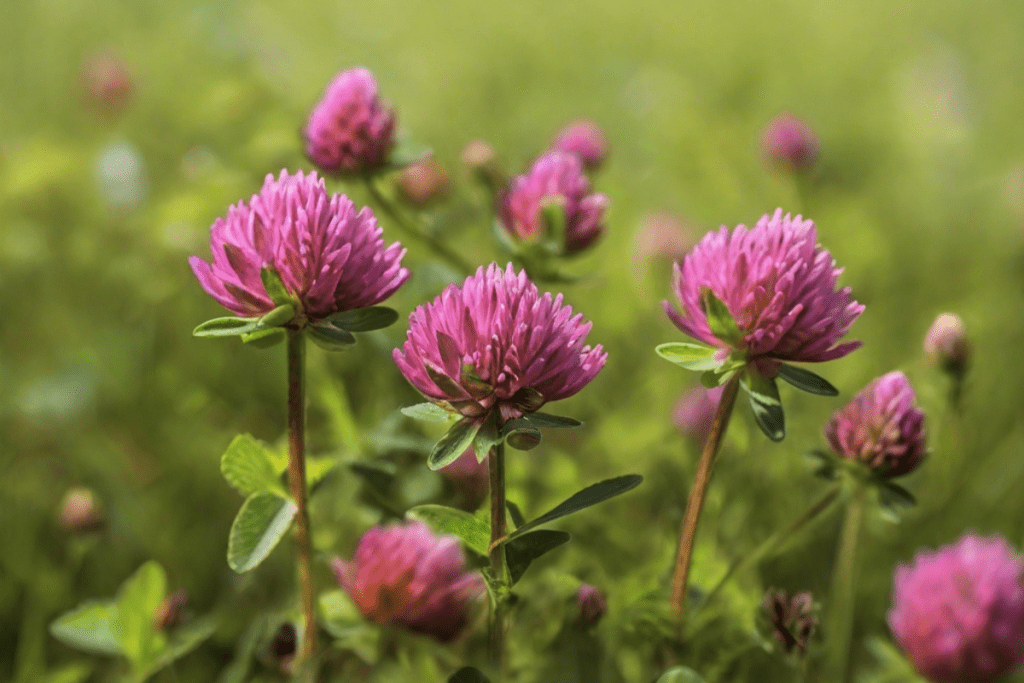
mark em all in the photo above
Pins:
pixel 920 196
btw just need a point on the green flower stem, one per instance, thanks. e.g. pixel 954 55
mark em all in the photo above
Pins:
pixel 410 228
pixel 297 483
pixel 775 539
pixel 695 502
pixel 844 589
pixel 496 623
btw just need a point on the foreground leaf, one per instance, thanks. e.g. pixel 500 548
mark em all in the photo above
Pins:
pixel 764 401
pixel 523 550
pixel 548 421
pixel 453 444
pixel 471 530
pixel 695 357
pixel 137 603
pixel 227 327
pixel 330 338
pixel 364 319
pixel 89 627
pixel 258 528
pixel 805 380
pixel 428 412
pixel 249 467
pixel 681 674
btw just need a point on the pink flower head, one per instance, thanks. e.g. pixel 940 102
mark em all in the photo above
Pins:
pixel 351 131
pixel 330 257
pixel 108 83
pixel 695 411
pixel 406 574
pixel 946 342
pixel 779 286
pixel 881 427
pixel 556 177
pixel 592 603
pixel 496 345
pixel 788 142
pixel 958 613
pixel 585 139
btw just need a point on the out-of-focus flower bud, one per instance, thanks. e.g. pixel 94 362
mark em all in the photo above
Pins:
pixel 789 143
pixel 662 235
pixel 483 162
pixel 107 83
pixel 592 603
pixel 80 511
pixel 424 182
pixel 946 342
pixel 586 140
pixel 169 613
pixel 792 619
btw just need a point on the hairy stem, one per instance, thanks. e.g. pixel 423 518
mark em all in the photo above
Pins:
pixel 297 483
pixel 695 502
pixel 496 623
pixel 844 588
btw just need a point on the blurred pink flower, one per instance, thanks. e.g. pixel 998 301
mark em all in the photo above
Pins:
pixel 108 83
pixel 424 182
pixel 586 140
pixel 881 427
pixel 695 411
pixel 946 342
pixel 329 257
pixel 496 345
pixel 958 613
pixel 662 235
pixel 592 603
pixel 405 574
pixel 788 142
pixel 350 131
pixel 555 177
pixel 779 286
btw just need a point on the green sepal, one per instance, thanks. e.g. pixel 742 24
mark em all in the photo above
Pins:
pixel 719 318
pixel 227 327
pixel 696 357
pixel 443 382
pixel 330 338
pixel 279 316
pixel 261 523
pixel 453 444
pixel 521 434
pixel 805 380
pixel 471 530
pixel 765 402
pixel 592 495
pixel 264 339
pixel 829 465
pixel 521 551
pixel 487 438
pixel 428 412
pixel 552 211
pixel 468 674
pixel 892 497
pixel 364 319
pixel 274 285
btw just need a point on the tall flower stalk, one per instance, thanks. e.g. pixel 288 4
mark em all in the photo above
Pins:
pixel 757 298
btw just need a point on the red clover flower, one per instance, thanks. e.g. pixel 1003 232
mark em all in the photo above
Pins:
pixel 586 140
pixel 789 143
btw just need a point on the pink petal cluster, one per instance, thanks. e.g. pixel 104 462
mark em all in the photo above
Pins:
pixel 592 603
pixel 350 131
pixel 555 177
pixel 881 427
pixel 789 142
pixel 695 411
pixel 958 613
pixel 779 286
pixel 329 256
pixel 586 140
pixel 405 574
pixel 496 345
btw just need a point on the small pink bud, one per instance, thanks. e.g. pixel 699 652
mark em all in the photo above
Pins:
pixel 107 83
pixel 793 619
pixel 424 182
pixel 946 342
pixel 80 511
pixel 585 139
pixel 592 603
pixel 169 613
pixel 788 142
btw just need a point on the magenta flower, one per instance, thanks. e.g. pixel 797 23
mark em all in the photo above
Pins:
pixel 556 178
pixel 586 140
pixel 779 287
pixel 329 257
pixel 592 603
pixel 788 142
pixel 405 574
pixel 881 427
pixel 958 613
pixel 695 411
pixel 350 131
pixel 496 347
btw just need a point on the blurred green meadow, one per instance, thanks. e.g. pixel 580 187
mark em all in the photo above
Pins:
pixel 919 195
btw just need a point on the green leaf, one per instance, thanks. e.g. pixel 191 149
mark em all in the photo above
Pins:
pixel 317 469
pixel 444 382
pixel 380 474
pixel 264 339
pixel 720 320
pixel 523 550
pixel 89 627
pixel 279 316
pixel 468 674
pixel 487 438
pixel 681 674
pixel 764 401
pixel 275 287
pixel 805 380
pixel 524 439
pixel 548 421
pixel 453 444
pixel 248 466
pixel 137 603
pixel 893 494
pixel 695 357
pixel 473 531
pixel 227 327
pixel 428 412
pixel 364 319
pixel 592 495
pixel 77 672
pixel 515 512
pixel 260 524
pixel 330 338
pixel 552 209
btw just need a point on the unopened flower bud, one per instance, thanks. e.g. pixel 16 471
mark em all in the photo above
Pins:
pixel 946 342
pixel 585 139
pixel 107 83
pixel 424 182
pixel 80 511
pixel 592 603
pixel 792 619
pixel 481 159
pixel 788 142
pixel 169 613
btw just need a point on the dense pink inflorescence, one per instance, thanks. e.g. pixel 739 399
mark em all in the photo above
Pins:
pixel 586 140
pixel 350 131
pixel 789 142
pixel 881 427
pixel 405 574
pixel 496 345
pixel 329 256
pixel 958 613
pixel 778 284
pixel 555 177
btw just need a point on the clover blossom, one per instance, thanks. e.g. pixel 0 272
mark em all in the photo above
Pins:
pixel 586 140
pixel 788 142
